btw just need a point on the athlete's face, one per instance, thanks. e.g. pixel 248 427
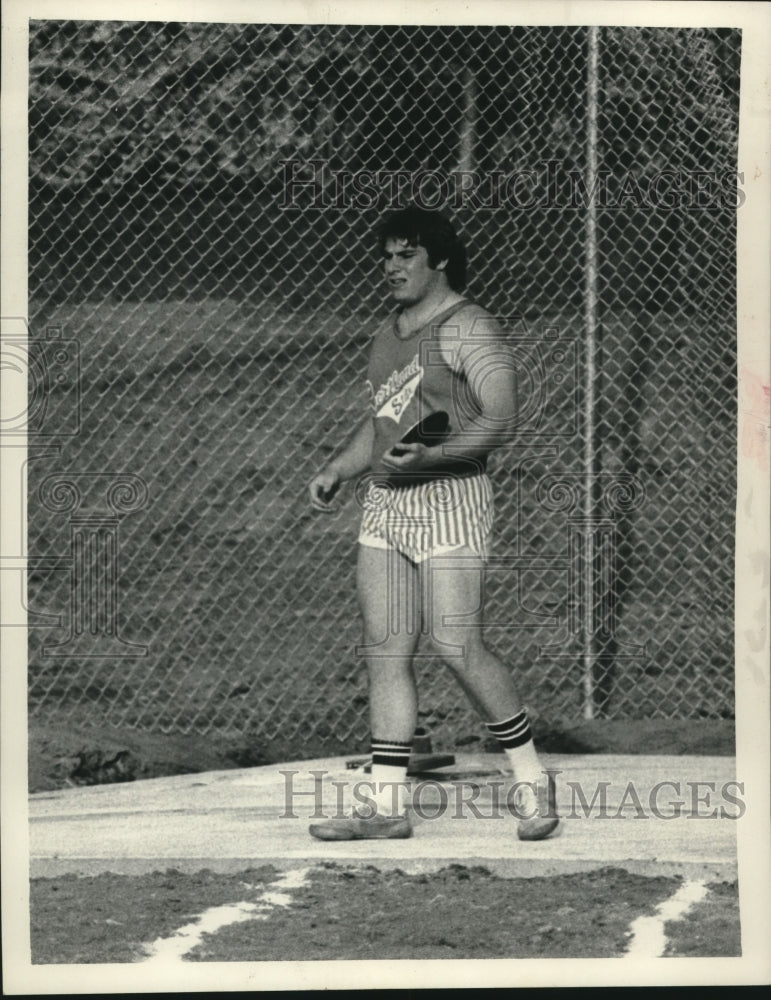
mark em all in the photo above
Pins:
pixel 407 272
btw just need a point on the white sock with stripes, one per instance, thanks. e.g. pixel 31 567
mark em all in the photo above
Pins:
pixel 515 737
pixel 389 775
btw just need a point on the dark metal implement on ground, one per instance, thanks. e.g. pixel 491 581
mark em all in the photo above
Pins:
pixel 426 764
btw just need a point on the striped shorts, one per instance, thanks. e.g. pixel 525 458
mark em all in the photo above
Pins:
pixel 429 518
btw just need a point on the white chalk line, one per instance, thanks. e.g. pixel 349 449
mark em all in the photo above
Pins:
pixel 648 937
pixel 185 939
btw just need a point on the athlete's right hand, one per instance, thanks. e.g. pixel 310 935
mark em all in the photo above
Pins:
pixel 322 490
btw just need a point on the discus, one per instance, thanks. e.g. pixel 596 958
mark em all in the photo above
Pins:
pixel 430 430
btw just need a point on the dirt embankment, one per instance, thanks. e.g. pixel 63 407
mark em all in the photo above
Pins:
pixel 62 756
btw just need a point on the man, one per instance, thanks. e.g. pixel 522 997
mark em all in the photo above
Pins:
pixel 427 517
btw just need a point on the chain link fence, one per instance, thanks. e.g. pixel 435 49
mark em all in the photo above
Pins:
pixel 203 284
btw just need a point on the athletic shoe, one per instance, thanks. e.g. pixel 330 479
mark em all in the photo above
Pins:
pixel 538 810
pixel 363 827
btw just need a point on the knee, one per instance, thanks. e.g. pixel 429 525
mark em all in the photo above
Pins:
pixel 460 648
pixel 388 648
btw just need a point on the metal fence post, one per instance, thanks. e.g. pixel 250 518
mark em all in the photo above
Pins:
pixel 590 316
pixel 466 146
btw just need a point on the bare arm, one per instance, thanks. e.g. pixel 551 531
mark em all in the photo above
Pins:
pixel 491 374
pixel 487 362
pixel 347 464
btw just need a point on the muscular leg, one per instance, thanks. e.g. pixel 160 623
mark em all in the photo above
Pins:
pixel 388 591
pixel 453 585
pixel 453 588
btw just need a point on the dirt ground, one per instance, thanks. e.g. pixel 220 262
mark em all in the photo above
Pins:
pixel 62 756
pixel 363 913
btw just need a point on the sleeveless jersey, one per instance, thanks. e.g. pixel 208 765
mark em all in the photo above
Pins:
pixel 408 379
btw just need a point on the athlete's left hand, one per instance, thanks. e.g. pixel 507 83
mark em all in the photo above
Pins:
pixel 411 456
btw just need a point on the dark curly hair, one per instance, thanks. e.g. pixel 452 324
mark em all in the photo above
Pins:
pixel 429 229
